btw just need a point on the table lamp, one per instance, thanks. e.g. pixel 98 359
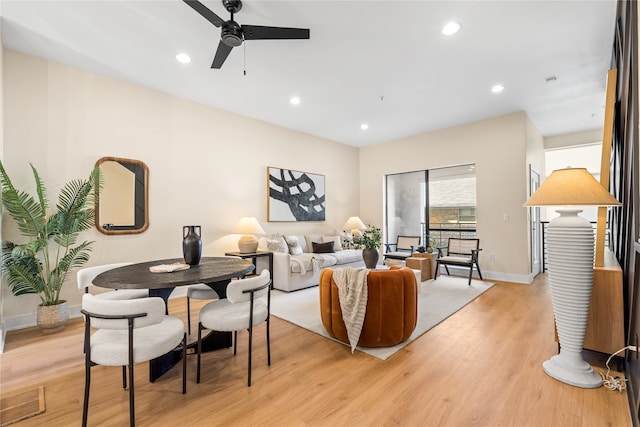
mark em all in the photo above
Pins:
pixel 248 226
pixel 354 224
pixel 570 250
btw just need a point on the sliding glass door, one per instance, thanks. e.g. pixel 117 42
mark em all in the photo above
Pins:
pixel 406 202
pixel 452 203
pixel 434 204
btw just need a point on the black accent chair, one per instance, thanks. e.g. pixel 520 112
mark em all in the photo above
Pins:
pixel 403 248
pixel 460 253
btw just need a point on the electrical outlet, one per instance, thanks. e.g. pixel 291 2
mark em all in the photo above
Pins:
pixel 491 256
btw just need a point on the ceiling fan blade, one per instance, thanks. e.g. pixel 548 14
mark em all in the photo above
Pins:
pixel 257 32
pixel 205 12
pixel 221 55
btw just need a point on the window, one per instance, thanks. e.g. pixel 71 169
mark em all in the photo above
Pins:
pixel 447 203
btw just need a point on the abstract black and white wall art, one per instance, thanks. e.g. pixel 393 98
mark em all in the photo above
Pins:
pixel 294 195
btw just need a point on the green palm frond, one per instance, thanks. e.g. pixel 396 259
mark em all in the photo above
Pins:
pixel 75 210
pixel 28 214
pixel 76 257
pixel 22 269
pixel 41 265
pixel 41 191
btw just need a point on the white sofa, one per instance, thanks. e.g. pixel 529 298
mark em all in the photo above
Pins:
pixel 293 272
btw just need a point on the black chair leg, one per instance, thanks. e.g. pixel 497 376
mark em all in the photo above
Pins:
pixel 184 364
pixel 447 268
pixel 124 377
pixel 235 342
pixel 268 345
pixel 470 274
pixel 132 408
pixel 435 273
pixel 189 315
pixel 199 351
pixel 250 345
pixel 87 382
pixel 479 272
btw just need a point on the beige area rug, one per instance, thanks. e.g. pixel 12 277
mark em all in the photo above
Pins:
pixel 16 407
pixel 437 300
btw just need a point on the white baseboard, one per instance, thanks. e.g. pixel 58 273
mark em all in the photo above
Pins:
pixel 490 275
pixel 28 320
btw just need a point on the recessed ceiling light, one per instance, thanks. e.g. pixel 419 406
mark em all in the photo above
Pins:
pixel 364 126
pixel 450 28
pixel 497 88
pixel 183 58
pixel 295 100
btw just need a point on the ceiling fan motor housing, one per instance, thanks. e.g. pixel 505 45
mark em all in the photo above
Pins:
pixel 232 6
pixel 232 34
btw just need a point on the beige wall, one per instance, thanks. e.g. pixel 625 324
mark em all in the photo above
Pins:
pixel 498 148
pixel 207 166
pixel 576 138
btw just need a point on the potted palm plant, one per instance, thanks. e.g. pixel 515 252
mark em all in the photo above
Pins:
pixel 369 241
pixel 41 264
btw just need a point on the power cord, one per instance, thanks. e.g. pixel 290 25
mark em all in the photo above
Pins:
pixel 615 383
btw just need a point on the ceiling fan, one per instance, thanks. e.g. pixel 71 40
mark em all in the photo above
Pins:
pixel 233 34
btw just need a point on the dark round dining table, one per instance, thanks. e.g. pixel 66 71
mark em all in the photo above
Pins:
pixel 210 270
pixel 216 272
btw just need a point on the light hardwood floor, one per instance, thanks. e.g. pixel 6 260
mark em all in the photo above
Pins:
pixel 481 367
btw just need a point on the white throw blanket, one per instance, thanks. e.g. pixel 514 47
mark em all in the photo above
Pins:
pixel 305 262
pixel 352 292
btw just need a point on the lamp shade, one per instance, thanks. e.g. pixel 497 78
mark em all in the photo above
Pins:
pixel 571 187
pixel 354 223
pixel 248 225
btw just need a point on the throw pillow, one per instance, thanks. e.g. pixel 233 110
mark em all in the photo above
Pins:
pixel 337 245
pixel 322 248
pixel 276 243
pixel 262 244
pixel 294 245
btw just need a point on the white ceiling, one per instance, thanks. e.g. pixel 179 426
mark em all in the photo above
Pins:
pixel 385 63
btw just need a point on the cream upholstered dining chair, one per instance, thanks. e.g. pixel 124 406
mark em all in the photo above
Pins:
pixel 200 291
pixel 86 275
pixel 243 308
pixel 115 343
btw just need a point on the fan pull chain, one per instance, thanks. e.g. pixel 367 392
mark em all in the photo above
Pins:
pixel 244 46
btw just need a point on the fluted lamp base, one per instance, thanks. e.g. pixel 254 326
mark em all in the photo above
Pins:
pixel 574 372
pixel 247 244
pixel 570 243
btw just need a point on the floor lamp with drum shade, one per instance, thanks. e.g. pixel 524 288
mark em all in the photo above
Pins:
pixel 570 250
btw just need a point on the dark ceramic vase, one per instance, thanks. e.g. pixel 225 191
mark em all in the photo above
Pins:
pixel 191 244
pixel 370 257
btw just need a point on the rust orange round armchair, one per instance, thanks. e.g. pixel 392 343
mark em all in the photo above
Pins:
pixel 392 307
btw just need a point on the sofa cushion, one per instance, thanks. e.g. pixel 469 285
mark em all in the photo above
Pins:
pixel 327 259
pixel 322 248
pixel 347 256
pixel 310 238
pixel 337 244
pixel 294 245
